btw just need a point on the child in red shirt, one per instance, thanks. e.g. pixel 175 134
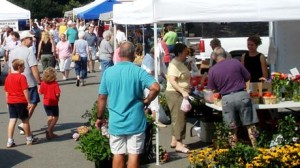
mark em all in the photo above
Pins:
pixel 18 101
pixel 51 91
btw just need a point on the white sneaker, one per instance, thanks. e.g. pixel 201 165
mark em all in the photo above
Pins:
pixel 32 141
pixel 22 132
pixel 82 83
pixel 10 144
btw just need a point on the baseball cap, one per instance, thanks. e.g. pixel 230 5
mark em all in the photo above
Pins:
pixel 25 34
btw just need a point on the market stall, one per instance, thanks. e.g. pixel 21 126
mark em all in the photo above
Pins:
pixel 166 11
pixel 9 11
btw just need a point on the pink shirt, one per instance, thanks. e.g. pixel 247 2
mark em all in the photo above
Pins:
pixel 63 49
pixel 116 57
pixel 167 57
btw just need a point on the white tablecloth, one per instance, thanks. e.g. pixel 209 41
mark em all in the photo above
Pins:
pixel 284 104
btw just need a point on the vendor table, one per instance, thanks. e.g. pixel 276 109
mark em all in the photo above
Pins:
pixel 284 104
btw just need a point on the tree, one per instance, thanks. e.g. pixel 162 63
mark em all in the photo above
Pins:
pixel 51 8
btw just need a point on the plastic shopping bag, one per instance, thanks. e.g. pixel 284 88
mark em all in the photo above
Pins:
pixel 72 65
pixel 185 105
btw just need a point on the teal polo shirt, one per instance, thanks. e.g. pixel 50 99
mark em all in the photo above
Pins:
pixel 124 84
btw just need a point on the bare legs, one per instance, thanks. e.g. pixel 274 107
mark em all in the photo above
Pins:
pixel 65 74
pixel 51 120
pixel 12 125
pixel 252 133
pixel 133 161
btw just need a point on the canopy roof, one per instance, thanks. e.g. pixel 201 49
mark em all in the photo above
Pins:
pixel 151 11
pixel 87 7
pixel 10 11
pixel 95 11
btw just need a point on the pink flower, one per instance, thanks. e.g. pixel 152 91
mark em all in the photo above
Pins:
pixel 75 136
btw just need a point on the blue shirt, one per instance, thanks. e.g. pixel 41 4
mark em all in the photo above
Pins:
pixel 124 84
pixel 228 76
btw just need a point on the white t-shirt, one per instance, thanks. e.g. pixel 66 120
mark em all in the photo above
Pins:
pixel 120 36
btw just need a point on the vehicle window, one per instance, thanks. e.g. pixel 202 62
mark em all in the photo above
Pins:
pixel 227 29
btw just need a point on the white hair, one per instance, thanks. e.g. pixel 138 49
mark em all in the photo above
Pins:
pixel 81 34
pixel 106 33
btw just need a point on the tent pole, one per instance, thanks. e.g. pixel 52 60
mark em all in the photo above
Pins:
pixel 272 40
pixel 156 61
pixel 143 39
pixel 126 29
pixel 115 39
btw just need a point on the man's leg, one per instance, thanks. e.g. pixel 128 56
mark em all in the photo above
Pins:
pixel 252 133
pixel 233 137
pixel 133 161
pixel 31 110
pixel 34 99
pixel 118 161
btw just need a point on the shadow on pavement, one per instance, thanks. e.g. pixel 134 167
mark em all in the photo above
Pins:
pixel 60 127
pixel 3 112
pixel 10 157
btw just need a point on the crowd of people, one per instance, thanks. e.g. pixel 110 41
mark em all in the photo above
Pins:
pixel 127 80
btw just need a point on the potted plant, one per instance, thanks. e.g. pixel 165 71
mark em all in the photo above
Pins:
pixel 94 145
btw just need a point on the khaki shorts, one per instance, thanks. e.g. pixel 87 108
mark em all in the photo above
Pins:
pixel 132 144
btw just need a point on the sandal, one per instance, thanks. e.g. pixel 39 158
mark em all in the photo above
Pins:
pixel 48 137
pixel 174 146
pixel 183 150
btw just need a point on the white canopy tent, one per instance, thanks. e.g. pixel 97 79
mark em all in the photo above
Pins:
pixel 155 11
pixel 285 16
pixel 9 11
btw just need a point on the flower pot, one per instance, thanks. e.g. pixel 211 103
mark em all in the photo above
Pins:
pixel 103 164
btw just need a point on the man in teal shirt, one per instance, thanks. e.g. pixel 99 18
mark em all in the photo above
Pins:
pixel 122 89
pixel 72 34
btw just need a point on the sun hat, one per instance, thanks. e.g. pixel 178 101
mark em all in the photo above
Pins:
pixel 25 34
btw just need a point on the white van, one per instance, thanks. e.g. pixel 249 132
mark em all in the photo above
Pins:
pixel 233 37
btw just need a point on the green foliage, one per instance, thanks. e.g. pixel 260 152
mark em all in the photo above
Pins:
pixel 286 127
pixel 221 135
pixel 50 8
pixel 94 111
pixel 163 101
pixel 93 144
pixel 264 138
pixel 237 156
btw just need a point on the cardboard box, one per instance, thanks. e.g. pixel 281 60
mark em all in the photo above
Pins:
pixel 259 87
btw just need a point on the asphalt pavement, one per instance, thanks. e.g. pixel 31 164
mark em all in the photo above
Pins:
pixel 61 152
